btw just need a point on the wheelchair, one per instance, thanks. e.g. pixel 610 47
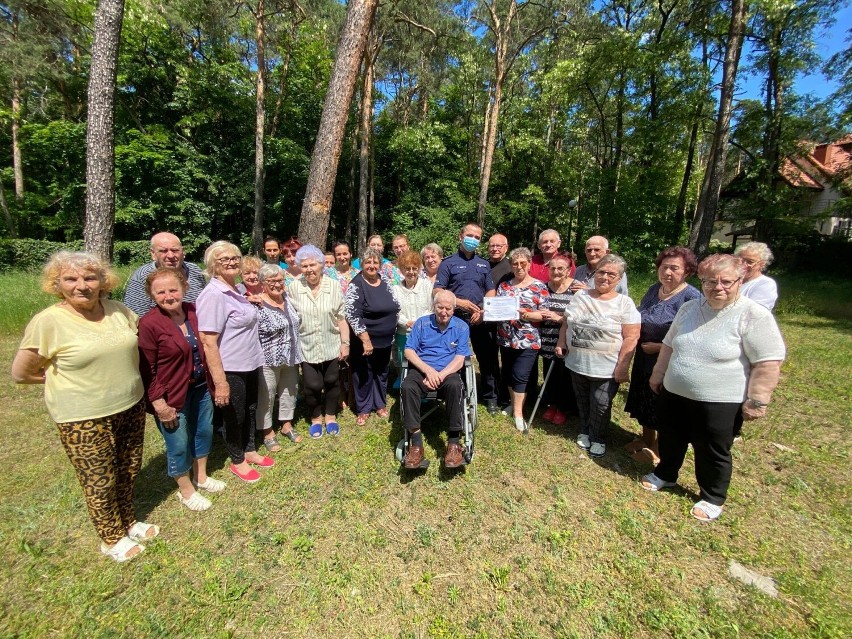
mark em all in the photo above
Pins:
pixel 468 375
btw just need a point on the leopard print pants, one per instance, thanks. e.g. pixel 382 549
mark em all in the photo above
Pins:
pixel 106 454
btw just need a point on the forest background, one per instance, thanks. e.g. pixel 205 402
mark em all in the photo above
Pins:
pixel 608 105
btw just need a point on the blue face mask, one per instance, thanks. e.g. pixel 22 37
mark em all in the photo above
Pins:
pixel 470 244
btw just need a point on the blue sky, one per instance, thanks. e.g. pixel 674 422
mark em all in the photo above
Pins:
pixel 829 42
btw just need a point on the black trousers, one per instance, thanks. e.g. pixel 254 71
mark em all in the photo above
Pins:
pixel 318 378
pixel 236 420
pixel 485 349
pixel 451 391
pixel 709 427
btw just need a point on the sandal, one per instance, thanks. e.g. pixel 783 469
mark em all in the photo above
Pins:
pixel 196 501
pixel 315 431
pixel 653 483
pixel 332 428
pixel 362 419
pixel 272 444
pixel 383 412
pixel 139 531
pixel 118 552
pixel 646 455
pixel 211 485
pixel 292 435
pixel 710 511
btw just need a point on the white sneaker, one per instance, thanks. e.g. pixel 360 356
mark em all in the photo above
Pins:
pixel 520 424
pixel 583 442
pixel 212 485
pixel 597 449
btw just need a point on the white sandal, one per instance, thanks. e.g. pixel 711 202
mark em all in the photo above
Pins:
pixel 139 531
pixel 196 501
pixel 212 485
pixel 653 483
pixel 118 551
pixel 712 511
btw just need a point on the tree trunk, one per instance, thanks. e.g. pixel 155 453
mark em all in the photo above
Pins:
pixel 7 215
pixel 711 186
pixel 680 207
pixel 364 156
pixel 17 164
pixel 100 136
pixel 316 209
pixel 351 209
pixel 259 132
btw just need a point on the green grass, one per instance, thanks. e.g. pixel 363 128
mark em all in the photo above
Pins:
pixel 533 539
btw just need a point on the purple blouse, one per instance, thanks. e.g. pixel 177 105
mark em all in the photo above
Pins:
pixel 224 311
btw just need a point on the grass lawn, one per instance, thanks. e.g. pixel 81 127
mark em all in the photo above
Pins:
pixel 534 539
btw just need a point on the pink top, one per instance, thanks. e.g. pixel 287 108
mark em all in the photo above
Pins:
pixel 224 311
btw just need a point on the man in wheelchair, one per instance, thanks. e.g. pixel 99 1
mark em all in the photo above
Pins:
pixel 436 349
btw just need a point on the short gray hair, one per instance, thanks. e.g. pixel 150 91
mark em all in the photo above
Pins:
pixel 442 292
pixel 370 254
pixel 761 249
pixel 214 250
pixel 432 247
pixel 612 258
pixel 269 270
pixel 546 232
pixel 521 251
pixel 308 252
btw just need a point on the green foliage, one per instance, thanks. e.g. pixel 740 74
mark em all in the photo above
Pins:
pixel 31 255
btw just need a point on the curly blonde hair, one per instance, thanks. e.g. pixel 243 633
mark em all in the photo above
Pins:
pixel 79 261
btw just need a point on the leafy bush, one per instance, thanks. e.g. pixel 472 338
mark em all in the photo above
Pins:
pixel 30 255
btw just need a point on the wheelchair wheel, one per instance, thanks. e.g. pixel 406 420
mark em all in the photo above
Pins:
pixel 400 450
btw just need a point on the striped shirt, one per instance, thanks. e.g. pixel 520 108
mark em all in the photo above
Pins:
pixel 550 330
pixel 138 301
pixel 319 331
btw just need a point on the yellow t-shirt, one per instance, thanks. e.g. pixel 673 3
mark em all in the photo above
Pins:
pixel 93 367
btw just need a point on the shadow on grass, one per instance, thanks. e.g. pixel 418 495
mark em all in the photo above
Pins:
pixel 434 430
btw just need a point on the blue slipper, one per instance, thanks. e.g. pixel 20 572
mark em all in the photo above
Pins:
pixel 315 431
pixel 332 428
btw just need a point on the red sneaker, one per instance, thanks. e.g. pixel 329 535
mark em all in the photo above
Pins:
pixel 548 413
pixel 559 418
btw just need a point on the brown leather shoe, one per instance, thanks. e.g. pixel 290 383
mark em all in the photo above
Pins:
pixel 453 457
pixel 414 457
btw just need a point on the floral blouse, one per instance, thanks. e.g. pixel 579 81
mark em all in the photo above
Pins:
pixel 342 278
pixel 517 333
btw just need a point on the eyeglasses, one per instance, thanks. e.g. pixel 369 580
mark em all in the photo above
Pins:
pixel 278 282
pixel 725 284
pixel 228 260
pixel 607 274
pixel 750 262
pixel 493 246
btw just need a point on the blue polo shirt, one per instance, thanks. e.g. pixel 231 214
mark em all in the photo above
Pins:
pixel 435 347
pixel 468 277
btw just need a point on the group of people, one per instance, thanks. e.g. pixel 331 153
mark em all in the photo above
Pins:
pixel 217 351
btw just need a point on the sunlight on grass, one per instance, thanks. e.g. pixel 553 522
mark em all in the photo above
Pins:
pixel 534 539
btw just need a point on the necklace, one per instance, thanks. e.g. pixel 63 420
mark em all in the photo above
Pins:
pixel 664 296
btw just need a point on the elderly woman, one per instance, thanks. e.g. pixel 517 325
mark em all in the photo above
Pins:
pixel 558 393
pixel 228 325
pixel 658 309
pixel 289 248
pixel 372 311
pixel 604 328
pixel 278 328
pixel 324 337
pixel 343 271
pixel 414 295
pixel 250 283
pixel 432 255
pixel 757 286
pixel 173 369
pixel 719 363
pixel 84 350
pixel 519 340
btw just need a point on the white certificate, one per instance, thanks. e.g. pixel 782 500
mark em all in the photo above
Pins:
pixel 500 308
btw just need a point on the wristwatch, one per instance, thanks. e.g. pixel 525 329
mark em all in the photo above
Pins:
pixel 756 403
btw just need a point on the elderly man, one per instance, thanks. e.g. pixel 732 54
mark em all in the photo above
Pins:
pixel 166 251
pixel 548 243
pixel 596 247
pixel 501 267
pixel 468 276
pixel 436 349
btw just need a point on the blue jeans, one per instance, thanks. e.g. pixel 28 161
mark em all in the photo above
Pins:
pixel 193 436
